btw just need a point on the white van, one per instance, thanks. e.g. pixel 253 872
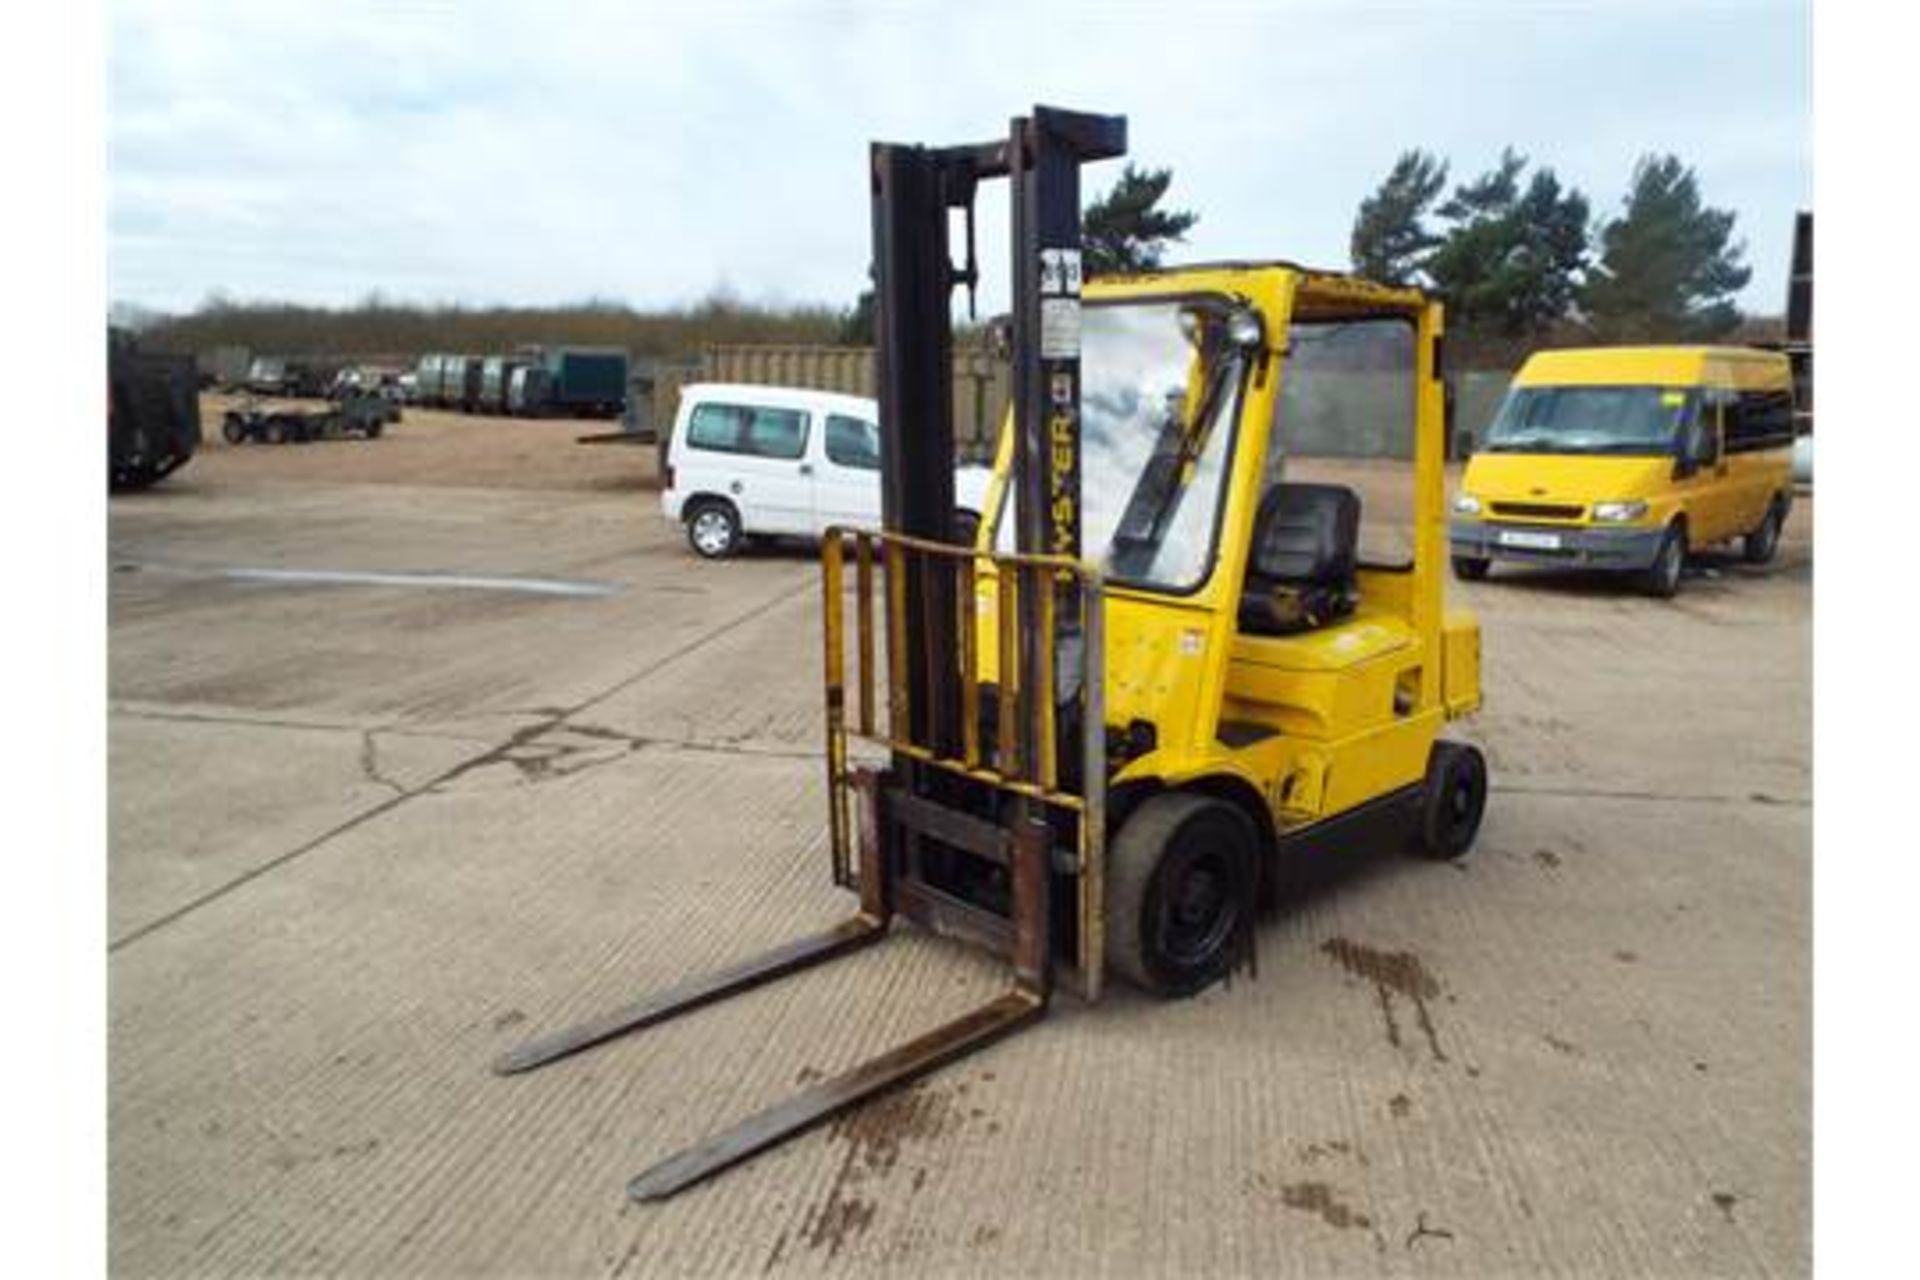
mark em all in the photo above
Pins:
pixel 751 460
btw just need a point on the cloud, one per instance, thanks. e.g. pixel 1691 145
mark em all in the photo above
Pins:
pixel 502 152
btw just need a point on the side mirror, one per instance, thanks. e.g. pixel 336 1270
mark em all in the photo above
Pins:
pixel 1697 447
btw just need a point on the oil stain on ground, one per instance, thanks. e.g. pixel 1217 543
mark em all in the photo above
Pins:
pixel 1316 1198
pixel 1394 974
pixel 873 1138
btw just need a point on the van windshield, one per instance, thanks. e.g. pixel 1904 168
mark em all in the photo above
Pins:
pixel 1627 420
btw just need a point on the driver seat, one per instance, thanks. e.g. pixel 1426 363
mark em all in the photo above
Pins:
pixel 1305 548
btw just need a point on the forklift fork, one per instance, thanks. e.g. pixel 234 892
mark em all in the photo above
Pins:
pixel 1024 1003
pixel 955 1039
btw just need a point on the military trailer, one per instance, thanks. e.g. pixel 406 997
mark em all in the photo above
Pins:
pixel 153 412
pixel 496 382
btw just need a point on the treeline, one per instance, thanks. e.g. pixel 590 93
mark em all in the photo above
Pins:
pixel 379 327
pixel 1522 261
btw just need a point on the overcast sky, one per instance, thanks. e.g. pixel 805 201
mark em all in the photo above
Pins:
pixel 473 151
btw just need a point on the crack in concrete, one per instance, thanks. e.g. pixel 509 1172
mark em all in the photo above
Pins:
pixel 370 763
pixel 396 729
pixel 537 761
pixel 518 738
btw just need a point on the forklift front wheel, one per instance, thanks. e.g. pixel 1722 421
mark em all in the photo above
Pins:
pixel 1181 886
pixel 1454 799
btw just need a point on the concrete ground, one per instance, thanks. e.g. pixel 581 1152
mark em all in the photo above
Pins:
pixel 366 835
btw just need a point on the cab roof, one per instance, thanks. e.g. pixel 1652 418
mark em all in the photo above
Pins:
pixel 1636 366
pixel 1313 289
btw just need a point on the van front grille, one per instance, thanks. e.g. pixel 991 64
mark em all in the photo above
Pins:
pixel 1537 510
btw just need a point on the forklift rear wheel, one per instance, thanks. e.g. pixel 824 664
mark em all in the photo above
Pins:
pixel 1662 579
pixel 1454 799
pixel 1181 886
pixel 1470 568
pixel 713 530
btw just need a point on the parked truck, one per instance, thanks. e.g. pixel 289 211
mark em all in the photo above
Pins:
pixel 571 382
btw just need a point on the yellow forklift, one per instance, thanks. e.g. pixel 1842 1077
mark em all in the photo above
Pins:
pixel 1186 639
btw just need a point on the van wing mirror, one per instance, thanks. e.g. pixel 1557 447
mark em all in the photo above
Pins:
pixel 1698 446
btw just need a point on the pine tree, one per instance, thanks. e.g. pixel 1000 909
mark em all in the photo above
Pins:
pixel 1513 256
pixel 1124 230
pixel 1668 265
pixel 1390 237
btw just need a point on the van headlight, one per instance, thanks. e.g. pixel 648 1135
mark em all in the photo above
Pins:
pixel 1619 512
pixel 1467 505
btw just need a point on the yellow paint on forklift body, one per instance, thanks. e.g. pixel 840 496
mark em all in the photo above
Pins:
pixel 1313 723
pixel 1599 454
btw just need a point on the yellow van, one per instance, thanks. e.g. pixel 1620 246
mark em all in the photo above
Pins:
pixel 1627 458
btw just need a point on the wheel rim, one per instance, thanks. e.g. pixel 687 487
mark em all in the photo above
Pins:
pixel 1197 912
pixel 712 532
pixel 1460 805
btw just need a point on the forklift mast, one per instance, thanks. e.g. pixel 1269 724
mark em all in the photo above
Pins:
pixel 914 190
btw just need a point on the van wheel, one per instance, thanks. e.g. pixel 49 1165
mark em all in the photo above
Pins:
pixel 1758 547
pixel 1181 886
pixel 1452 800
pixel 1470 568
pixel 1662 579
pixel 232 429
pixel 713 529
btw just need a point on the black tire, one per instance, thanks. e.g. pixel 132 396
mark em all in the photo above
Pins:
pixel 966 527
pixel 232 429
pixel 1453 800
pixel 273 431
pixel 373 430
pixel 1470 568
pixel 713 529
pixel 1759 546
pixel 1661 579
pixel 1181 893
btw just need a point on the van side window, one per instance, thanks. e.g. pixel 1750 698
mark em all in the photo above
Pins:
pixel 1760 420
pixel 853 443
pixel 753 429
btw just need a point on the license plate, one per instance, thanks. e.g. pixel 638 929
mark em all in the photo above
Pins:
pixel 1530 540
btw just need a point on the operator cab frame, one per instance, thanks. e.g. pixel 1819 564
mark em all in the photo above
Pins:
pixel 1280 666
